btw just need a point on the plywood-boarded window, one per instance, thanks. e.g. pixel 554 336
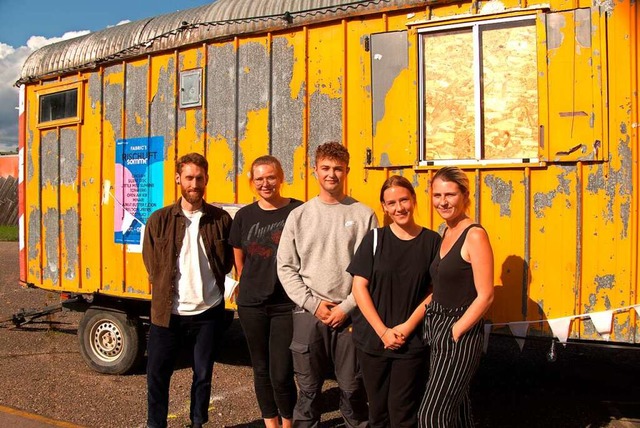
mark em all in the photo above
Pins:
pixel 479 92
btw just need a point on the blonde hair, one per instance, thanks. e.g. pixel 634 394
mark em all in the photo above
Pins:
pixel 268 160
pixel 454 174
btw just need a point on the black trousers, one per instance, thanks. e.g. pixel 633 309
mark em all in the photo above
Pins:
pixel 317 349
pixel 201 335
pixel 268 330
pixel 394 387
pixel 446 401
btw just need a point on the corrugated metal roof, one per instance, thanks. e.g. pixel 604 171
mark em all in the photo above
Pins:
pixel 221 18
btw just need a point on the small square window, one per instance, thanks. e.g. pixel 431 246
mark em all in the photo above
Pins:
pixel 191 88
pixel 58 105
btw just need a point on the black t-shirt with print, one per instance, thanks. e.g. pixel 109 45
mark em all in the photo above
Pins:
pixel 399 281
pixel 257 232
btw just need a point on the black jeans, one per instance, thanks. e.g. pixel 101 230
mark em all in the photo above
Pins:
pixel 268 330
pixel 394 387
pixel 200 334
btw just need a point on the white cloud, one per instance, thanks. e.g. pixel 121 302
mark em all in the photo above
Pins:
pixel 5 50
pixel 36 42
pixel 11 60
pixel 126 21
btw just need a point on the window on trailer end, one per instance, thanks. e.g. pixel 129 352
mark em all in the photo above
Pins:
pixel 58 105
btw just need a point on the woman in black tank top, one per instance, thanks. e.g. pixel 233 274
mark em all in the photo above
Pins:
pixel 462 275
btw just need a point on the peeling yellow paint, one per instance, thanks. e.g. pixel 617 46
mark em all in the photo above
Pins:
pixel 254 144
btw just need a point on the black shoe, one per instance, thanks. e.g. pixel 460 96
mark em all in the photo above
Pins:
pixel 196 425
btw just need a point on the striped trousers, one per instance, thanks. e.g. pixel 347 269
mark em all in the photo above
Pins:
pixel 446 401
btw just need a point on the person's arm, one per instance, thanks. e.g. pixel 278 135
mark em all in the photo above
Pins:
pixel 148 247
pixel 478 249
pixel 391 338
pixel 228 249
pixel 288 262
pixel 349 304
pixel 238 256
pixel 416 317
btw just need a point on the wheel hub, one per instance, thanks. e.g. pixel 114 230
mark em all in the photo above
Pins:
pixel 106 340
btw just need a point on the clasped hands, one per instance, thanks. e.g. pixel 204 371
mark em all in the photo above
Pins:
pixel 330 314
pixel 394 337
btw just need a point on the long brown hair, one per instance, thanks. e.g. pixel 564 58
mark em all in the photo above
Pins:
pixel 396 181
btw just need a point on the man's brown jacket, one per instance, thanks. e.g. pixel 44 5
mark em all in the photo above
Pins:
pixel 163 238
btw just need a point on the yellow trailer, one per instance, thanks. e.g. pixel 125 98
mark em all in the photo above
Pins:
pixel 536 101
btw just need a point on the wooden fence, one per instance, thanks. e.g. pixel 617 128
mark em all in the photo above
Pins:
pixel 8 200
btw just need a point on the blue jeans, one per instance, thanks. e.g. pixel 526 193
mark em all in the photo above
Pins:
pixel 200 335
pixel 268 330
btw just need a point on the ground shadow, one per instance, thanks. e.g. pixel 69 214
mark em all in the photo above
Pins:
pixel 585 387
pixel 234 350
pixel 45 326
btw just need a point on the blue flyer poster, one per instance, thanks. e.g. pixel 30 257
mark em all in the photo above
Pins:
pixel 138 185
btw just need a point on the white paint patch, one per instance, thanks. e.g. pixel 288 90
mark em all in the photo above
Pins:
pixel 106 188
pixel 21 100
pixel 493 7
pixel 21 231
pixel 20 165
pixel 606 5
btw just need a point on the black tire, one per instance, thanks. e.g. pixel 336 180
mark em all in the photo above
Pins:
pixel 111 342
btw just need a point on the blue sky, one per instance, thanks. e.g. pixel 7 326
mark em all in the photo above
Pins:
pixel 30 24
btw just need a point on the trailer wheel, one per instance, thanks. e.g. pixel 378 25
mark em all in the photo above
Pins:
pixel 110 342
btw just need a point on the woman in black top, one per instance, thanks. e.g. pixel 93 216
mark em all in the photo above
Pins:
pixel 462 276
pixel 390 283
pixel 264 308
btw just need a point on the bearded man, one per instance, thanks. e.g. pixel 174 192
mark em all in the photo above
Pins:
pixel 187 255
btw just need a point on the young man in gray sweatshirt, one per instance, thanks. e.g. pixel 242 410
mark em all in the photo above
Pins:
pixel 317 244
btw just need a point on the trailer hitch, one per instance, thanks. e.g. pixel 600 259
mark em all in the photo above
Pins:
pixel 26 316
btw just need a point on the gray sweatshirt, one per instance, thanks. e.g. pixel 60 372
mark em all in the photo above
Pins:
pixel 317 245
